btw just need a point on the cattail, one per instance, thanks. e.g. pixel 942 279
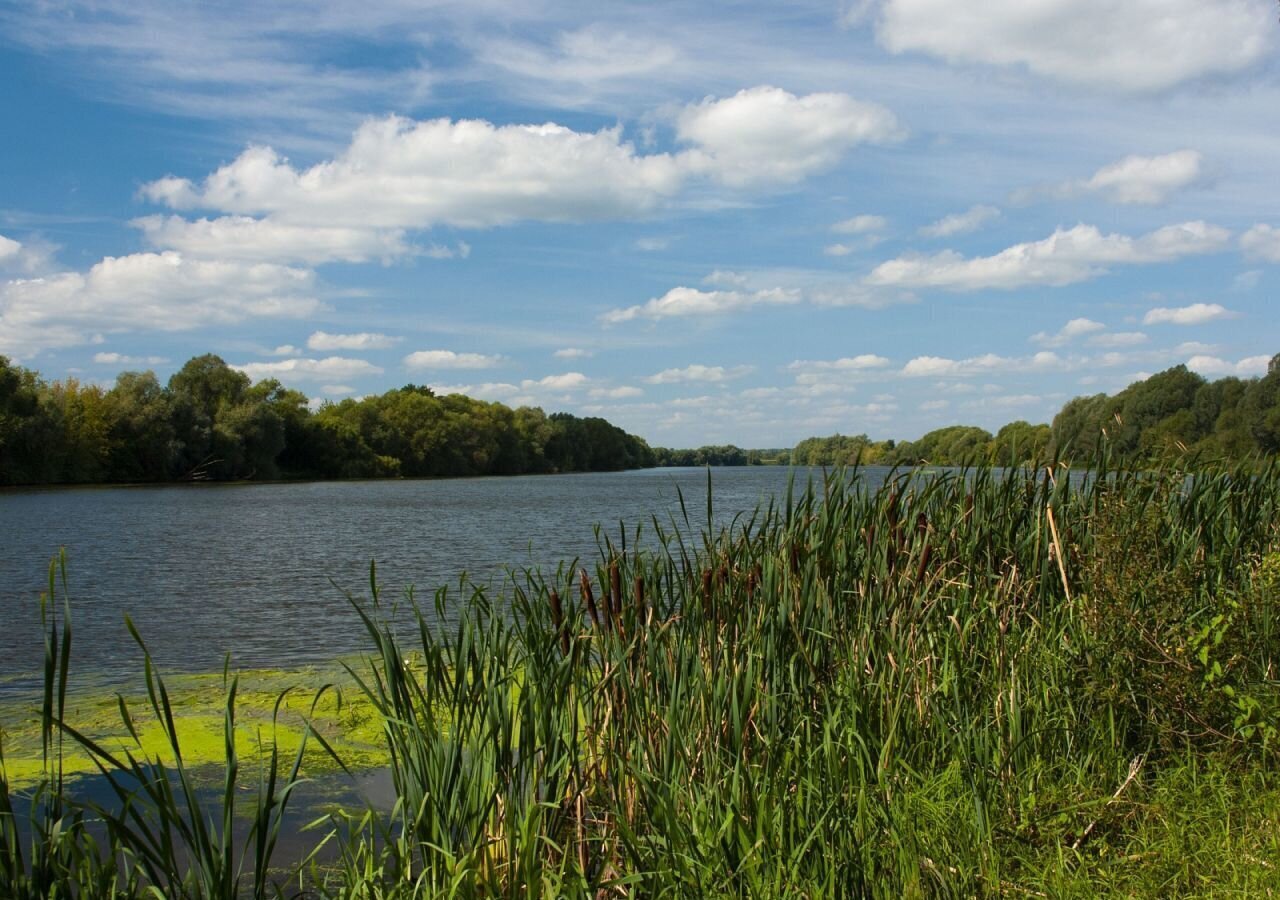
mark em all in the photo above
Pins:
pixel 606 606
pixel 641 614
pixel 924 560
pixel 706 591
pixel 589 599
pixel 615 589
pixel 557 618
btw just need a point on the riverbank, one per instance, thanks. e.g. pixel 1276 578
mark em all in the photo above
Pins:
pixel 965 685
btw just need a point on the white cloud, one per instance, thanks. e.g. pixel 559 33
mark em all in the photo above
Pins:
pixel 586 55
pixel 302 369
pixel 859 363
pixel 400 174
pixel 1065 257
pixel 1006 401
pixel 961 223
pixel 618 393
pixel 864 224
pixel 566 381
pixel 337 390
pixel 723 278
pixel 269 239
pixel 934 405
pixel 1069 332
pixel 1195 314
pixel 1118 339
pixel 1137 45
pixel 1262 242
pixel 572 353
pixel 322 340
pixel 120 359
pixel 767 135
pixel 286 350
pixel 687 301
pixel 936 366
pixel 1147 180
pixel 30 258
pixel 837 250
pixel 146 292
pixel 448 359
pixel 1245 368
pixel 698 372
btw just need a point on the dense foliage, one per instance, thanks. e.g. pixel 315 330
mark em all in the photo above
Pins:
pixel 1172 413
pixel 960 684
pixel 210 423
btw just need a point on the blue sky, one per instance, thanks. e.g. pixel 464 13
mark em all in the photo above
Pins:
pixel 709 223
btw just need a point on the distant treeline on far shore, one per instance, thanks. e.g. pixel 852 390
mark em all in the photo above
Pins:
pixel 210 423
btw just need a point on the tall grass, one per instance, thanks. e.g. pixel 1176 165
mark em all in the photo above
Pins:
pixel 958 684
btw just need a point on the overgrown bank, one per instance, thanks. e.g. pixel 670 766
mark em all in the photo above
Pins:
pixel 957 685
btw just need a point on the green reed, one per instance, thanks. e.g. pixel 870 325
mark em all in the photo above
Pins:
pixel 957 684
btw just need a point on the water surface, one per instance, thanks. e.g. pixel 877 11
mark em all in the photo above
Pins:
pixel 261 570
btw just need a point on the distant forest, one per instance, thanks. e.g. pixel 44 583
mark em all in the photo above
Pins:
pixel 209 423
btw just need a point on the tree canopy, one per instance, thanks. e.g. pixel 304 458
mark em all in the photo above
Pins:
pixel 211 423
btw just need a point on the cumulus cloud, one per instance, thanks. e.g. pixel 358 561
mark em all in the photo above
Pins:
pixel 1147 180
pixel 1195 314
pixel 698 372
pixel 687 301
pixel 1067 333
pixel 617 393
pixel 767 135
pixel 1262 242
pixel 1118 339
pixel 448 359
pixel 322 340
pixel 120 359
pixel 247 238
pixel 566 381
pixel 1245 368
pixel 1065 257
pixel 859 363
pixel 939 366
pixel 400 174
pixel 331 368
pixel 147 292
pixel 1137 45
pixel 961 223
pixel 29 258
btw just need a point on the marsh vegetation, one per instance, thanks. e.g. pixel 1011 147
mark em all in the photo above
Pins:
pixel 954 684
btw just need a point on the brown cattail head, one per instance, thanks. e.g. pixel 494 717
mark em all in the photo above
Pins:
pixel 924 560
pixel 589 599
pixel 706 591
pixel 606 606
pixel 615 589
pixel 557 618
pixel 642 614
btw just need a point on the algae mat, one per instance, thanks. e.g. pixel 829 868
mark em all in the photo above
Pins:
pixel 272 707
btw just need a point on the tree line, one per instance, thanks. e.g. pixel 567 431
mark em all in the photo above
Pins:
pixel 210 423
pixel 1172 413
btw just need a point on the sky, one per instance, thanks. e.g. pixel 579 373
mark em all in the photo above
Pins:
pixel 708 223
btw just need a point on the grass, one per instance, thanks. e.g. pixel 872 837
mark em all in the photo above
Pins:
pixel 960 684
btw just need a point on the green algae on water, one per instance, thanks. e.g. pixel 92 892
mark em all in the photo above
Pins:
pixel 325 700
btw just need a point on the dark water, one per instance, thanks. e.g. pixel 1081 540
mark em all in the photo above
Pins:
pixel 260 571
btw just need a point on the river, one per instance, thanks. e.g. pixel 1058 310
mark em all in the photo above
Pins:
pixel 261 571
